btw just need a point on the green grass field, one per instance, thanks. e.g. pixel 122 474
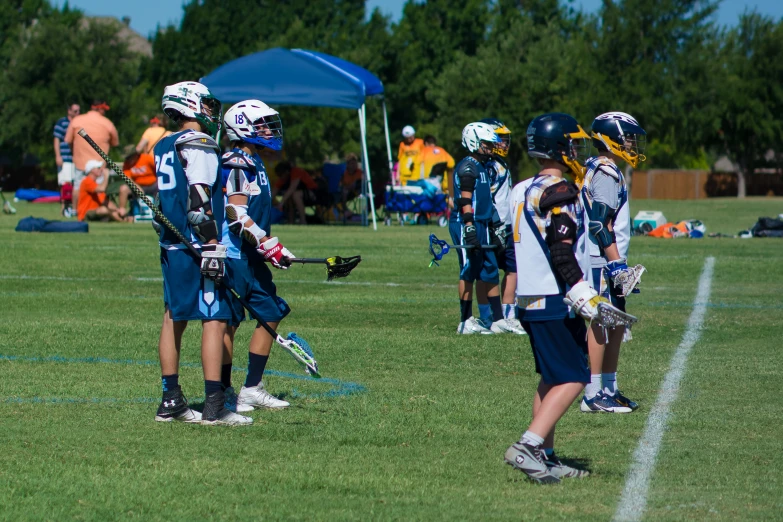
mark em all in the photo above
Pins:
pixel 413 420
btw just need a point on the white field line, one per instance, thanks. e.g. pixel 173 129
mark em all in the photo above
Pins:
pixel 277 281
pixel 634 498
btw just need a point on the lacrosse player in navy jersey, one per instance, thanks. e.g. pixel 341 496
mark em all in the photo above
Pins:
pixel 553 294
pixel 618 137
pixel 250 126
pixel 500 185
pixel 472 224
pixel 190 196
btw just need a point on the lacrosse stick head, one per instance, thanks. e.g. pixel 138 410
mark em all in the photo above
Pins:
pixel 612 317
pixel 438 249
pixel 301 351
pixel 337 267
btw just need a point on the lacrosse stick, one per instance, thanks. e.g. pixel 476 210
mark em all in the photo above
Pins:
pixel 294 344
pixel 627 281
pixel 336 267
pixel 439 248
pixel 612 317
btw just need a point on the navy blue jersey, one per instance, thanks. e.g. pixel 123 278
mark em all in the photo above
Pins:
pixel 244 174
pixel 182 159
pixel 483 208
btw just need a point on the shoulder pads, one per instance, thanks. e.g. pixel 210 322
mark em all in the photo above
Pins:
pixel 467 168
pixel 607 167
pixel 235 160
pixel 197 139
pixel 559 194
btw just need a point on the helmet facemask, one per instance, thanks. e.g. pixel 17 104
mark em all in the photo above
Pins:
pixel 210 114
pixel 631 148
pixel 501 149
pixel 267 132
pixel 578 152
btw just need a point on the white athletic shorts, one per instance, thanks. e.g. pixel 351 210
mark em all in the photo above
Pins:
pixel 65 174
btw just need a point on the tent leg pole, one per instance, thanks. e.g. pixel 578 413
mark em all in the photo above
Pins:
pixel 368 178
pixel 388 142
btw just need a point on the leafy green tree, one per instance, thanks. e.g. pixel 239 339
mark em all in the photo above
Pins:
pixel 751 93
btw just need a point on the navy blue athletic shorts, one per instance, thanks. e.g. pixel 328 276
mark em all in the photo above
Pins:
pixel 507 260
pixel 186 293
pixel 254 283
pixel 474 263
pixel 560 349
pixel 607 289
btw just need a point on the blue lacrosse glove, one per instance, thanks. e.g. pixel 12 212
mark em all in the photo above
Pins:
pixel 617 268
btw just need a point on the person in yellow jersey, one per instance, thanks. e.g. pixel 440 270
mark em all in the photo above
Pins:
pixel 434 162
pixel 154 133
pixel 408 153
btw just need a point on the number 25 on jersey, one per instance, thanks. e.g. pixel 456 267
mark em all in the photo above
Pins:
pixel 164 167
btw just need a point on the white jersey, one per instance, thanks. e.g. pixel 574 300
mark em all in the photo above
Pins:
pixel 500 186
pixel 621 221
pixel 539 290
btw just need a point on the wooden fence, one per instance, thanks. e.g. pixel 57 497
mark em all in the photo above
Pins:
pixel 698 184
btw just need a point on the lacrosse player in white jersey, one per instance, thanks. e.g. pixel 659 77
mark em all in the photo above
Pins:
pixel 554 295
pixel 604 196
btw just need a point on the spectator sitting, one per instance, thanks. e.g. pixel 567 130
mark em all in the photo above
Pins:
pixel 93 203
pixel 434 164
pixel 298 190
pixel 100 129
pixel 351 182
pixel 154 133
pixel 410 146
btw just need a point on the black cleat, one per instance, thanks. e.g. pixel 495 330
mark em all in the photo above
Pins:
pixel 174 406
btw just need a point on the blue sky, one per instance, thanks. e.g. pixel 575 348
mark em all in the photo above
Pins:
pixel 147 14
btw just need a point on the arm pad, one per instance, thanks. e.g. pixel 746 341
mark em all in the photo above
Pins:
pixel 562 228
pixel 200 213
pixel 467 182
pixel 237 218
pixel 460 202
pixel 600 216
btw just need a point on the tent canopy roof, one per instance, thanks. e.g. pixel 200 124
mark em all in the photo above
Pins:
pixel 293 77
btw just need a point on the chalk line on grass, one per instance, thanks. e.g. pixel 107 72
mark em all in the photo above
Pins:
pixel 634 498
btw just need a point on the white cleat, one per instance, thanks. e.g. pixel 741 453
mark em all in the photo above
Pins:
pixel 472 326
pixel 227 418
pixel 257 397
pixel 512 326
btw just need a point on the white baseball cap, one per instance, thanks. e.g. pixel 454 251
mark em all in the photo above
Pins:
pixel 408 131
pixel 92 165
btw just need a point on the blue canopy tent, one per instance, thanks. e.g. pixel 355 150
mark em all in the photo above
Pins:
pixel 300 77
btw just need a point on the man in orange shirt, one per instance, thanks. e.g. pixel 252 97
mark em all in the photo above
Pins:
pixel 100 129
pixel 408 154
pixel 434 162
pixel 93 204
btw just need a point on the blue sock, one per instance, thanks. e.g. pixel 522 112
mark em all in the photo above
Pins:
pixel 212 387
pixel 485 313
pixel 509 311
pixel 549 451
pixel 170 382
pixel 497 308
pixel 255 369
pixel 225 376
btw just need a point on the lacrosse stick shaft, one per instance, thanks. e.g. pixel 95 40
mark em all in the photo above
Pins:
pixel 308 260
pixel 168 224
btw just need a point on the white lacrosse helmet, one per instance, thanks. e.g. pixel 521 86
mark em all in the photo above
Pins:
pixel 477 133
pixel 253 121
pixel 193 100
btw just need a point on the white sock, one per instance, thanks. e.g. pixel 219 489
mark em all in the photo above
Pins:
pixel 592 389
pixel 509 311
pixel 485 313
pixel 609 381
pixel 531 439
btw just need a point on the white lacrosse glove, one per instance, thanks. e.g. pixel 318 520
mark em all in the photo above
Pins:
pixel 624 279
pixel 583 300
pixel 274 252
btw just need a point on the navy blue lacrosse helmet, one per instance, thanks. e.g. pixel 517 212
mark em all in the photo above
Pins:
pixel 620 134
pixel 557 136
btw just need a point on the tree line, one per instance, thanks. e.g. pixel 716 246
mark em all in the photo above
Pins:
pixel 699 89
